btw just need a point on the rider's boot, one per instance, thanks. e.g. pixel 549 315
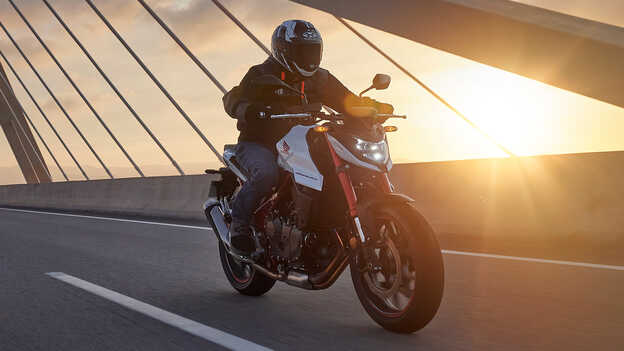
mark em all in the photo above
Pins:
pixel 241 239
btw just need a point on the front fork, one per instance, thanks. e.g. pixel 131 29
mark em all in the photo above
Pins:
pixel 349 192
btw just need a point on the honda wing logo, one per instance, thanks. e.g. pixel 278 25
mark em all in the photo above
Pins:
pixel 284 147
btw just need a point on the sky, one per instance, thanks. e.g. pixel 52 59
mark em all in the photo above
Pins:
pixel 526 116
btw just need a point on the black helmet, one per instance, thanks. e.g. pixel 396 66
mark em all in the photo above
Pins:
pixel 297 46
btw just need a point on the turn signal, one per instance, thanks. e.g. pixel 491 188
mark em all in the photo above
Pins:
pixel 321 129
pixel 389 129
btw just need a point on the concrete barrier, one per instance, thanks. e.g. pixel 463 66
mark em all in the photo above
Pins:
pixel 548 206
pixel 558 206
pixel 561 194
pixel 179 197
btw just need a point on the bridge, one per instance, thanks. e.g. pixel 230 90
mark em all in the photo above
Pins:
pixel 532 245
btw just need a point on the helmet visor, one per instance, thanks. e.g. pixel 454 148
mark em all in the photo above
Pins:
pixel 308 56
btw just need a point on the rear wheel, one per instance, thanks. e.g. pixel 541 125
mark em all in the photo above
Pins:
pixel 242 276
pixel 401 287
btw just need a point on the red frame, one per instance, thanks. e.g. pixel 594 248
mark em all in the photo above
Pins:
pixel 345 180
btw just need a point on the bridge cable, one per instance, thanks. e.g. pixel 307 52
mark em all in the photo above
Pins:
pixel 45 144
pixel 45 117
pixel 5 79
pixel 32 125
pixel 112 86
pixel 183 46
pixel 424 86
pixel 196 61
pixel 155 80
pixel 32 166
pixel 58 103
pixel 242 27
pixel 19 139
pixel 73 84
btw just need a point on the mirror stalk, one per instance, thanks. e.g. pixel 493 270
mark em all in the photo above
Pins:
pixel 380 82
pixel 366 90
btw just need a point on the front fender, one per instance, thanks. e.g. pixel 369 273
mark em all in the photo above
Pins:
pixel 367 205
pixel 384 199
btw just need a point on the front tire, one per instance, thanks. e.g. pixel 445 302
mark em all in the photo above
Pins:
pixel 403 291
pixel 242 276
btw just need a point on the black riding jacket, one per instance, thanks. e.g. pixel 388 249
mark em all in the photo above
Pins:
pixel 244 100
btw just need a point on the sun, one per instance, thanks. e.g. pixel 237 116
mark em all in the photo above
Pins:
pixel 513 110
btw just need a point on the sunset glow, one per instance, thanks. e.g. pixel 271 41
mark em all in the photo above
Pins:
pixel 525 116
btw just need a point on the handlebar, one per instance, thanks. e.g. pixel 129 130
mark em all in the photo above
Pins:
pixel 327 116
pixel 293 116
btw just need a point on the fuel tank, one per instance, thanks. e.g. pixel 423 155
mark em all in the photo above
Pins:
pixel 294 156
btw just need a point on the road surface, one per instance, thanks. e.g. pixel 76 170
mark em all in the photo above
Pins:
pixel 173 270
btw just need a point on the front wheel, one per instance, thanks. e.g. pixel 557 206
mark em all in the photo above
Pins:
pixel 242 276
pixel 401 286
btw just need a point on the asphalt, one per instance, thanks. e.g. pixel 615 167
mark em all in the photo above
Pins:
pixel 489 303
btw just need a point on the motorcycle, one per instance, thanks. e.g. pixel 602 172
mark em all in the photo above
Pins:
pixel 335 206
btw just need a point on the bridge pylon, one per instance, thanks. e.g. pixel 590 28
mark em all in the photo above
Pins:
pixel 19 136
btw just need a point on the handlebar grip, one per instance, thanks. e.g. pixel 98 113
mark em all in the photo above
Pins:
pixel 326 116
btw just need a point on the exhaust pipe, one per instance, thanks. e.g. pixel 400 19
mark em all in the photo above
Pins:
pixel 293 278
pixel 216 218
pixel 299 279
pixel 268 273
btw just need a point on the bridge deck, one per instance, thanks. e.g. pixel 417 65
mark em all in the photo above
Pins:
pixel 490 304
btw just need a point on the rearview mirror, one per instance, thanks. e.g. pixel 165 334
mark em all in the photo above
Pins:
pixel 380 82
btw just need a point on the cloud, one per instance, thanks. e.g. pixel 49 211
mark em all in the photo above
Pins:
pixel 11 175
pixel 41 19
pixel 202 25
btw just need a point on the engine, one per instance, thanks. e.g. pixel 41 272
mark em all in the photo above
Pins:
pixel 291 233
pixel 285 239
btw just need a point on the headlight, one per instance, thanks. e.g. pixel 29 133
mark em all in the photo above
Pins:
pixel 376 152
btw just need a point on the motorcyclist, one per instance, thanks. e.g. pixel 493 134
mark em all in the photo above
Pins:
pixel 297 48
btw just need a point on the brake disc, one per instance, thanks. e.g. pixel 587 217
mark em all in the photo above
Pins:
pixel 372 278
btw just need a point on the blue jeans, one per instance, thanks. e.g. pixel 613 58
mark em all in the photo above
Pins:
pixel 261 166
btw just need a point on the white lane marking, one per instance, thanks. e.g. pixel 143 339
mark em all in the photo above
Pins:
pixel 216 336
pixel 449 252
pixel 108 218
pixel 538 260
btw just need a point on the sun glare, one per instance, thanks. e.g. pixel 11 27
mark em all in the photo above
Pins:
pixel 513 110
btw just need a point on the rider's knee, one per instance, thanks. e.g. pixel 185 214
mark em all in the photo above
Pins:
pixel 266 179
